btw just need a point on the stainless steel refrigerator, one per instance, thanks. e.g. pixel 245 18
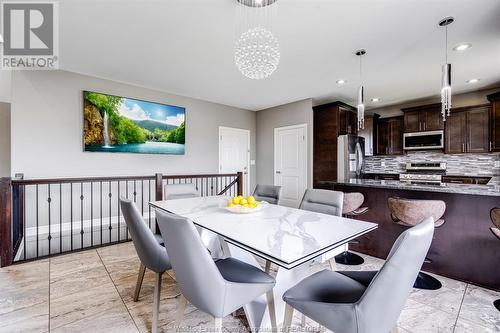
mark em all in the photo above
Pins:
pixel 350 157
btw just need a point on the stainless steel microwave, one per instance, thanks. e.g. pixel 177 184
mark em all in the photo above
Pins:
pixel 423 140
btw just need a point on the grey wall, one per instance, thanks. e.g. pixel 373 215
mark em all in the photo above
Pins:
pixel 47 123
pixel 4 139
pixel 458 100
pixel 267 120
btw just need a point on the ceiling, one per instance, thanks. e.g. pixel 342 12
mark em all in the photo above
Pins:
pixel 186 47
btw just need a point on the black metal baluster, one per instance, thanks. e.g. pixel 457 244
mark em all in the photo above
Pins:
pixel 37 232
pixel 81 215
pixel 91 214
pixel 118 202
pixel 71 212
pixel 149 199
pixel 49 200
pixel 126 196
pixel 110 195
pixel 60 219
pixel 142 197
pixel 212 186
pixel 135 192
pixel 100 206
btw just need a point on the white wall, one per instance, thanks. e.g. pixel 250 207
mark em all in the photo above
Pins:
pixel 4 140
pixel 47 120
pixel 458 100
pixel 5 85
pixel 284 115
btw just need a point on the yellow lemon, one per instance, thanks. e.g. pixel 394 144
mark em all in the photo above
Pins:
pixel 243 202
pixel 230 204
pixel 245 205
pixel 252 206
pixel 240 196
pixel 236 201
pixel 251 199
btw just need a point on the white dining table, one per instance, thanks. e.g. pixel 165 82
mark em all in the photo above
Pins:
pixel 292 239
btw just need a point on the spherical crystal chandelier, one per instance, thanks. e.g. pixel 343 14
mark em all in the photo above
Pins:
pixel 257 53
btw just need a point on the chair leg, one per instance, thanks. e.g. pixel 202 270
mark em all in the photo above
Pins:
pixel 218 325
pixel 140 278
pixel 268 267
pixel 180 311
pixel 287 322
pixel 156 302
pixel 272 310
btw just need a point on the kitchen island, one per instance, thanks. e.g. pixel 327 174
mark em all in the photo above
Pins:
pixel 463 248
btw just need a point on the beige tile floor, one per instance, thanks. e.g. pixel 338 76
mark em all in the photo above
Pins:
pixel 92 291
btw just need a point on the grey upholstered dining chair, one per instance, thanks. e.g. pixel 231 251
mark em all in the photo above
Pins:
pixel 360 301
pixel 268 193
pixel 152 255
pixel 180 191
pixel 323 201
pixel 215 287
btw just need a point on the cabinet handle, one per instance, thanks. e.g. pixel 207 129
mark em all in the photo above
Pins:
pixel 419 126
pixel 491 145
pixel 463 147
pixel 468 147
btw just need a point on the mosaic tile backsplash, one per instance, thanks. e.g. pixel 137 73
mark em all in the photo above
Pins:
pixel 463 165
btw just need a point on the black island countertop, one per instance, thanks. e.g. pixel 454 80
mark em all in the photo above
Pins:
pixel 490 189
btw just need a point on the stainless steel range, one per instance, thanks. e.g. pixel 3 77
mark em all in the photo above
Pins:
pixel 424 172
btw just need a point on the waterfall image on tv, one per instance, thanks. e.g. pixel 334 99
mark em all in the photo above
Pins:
pixel 116 124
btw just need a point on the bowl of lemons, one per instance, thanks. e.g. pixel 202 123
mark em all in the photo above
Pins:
pixel 242 205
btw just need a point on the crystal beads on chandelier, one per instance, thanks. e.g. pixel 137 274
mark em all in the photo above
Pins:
pixel 257 53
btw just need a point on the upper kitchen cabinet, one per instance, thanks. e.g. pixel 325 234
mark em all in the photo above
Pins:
pixel 467 130
pixel 368 133
pixel 423 118
pixel 330 121
pixel 348 119
pixel 389 136
pixel 495 121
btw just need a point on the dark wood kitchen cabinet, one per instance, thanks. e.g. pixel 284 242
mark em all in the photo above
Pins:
pixel 330 121
pixel 495 121
pixel 423 118
pixel 389 136
pixel 467 130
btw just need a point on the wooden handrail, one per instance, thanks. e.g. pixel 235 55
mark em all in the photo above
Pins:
pixel 44 181
pixel 201 176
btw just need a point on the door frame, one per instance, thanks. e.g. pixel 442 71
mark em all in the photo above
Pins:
pixel 306 152
pixel 221 128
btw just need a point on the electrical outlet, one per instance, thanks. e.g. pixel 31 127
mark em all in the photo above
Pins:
pixel 497 164
pixel 382 164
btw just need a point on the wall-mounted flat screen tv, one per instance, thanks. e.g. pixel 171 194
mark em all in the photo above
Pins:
pixel 114 124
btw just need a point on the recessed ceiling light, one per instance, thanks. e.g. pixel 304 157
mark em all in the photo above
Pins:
pixel 473 80
pixel 376 99
pixel 341 81
pixel 462 47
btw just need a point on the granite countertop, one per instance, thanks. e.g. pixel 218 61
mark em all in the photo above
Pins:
pixel 491 189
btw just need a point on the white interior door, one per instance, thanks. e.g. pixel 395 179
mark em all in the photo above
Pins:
pixel 290 163
pixel 234 153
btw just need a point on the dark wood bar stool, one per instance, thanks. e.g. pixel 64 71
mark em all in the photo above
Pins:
pixel 495 218
pixel 410 212
pixel 352 208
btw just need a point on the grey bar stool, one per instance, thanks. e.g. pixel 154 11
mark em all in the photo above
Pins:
pixel 352 208
pixel 180 191
pixel 268 193
pixel 408 213
pixel 153 256
pixel 217 288
pixel 363 301
pixel 495 218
